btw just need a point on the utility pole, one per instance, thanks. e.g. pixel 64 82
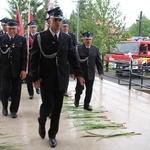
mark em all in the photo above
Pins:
pixel 140 24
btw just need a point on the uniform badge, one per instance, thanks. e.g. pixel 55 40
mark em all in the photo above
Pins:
pixel 13 45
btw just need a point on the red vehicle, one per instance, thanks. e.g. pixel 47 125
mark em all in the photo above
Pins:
pixel 120 58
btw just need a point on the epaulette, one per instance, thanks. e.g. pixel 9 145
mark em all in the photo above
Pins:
pixel 68 35
pixel 40 32
pixel 37 32
pixel 1 32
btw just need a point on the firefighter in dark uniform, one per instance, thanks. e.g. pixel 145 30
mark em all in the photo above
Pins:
pixel 2 32
pixel 4 26
pixel 65 28
pixel 13 50
pixel 50 52
pixel 89 57
pixel 32 32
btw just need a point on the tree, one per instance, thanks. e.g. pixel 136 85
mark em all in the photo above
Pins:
pixel 134 29
pixel 55 4
pixel 126 35
pixel 38 12
pixel 13 4
pixel 103 20
pixel 72 22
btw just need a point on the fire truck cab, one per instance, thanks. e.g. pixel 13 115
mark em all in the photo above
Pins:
pixel 125 51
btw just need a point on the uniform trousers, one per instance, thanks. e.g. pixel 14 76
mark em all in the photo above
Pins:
pixel 67 79
pixel 12 84
pixel 0 83
pixel 29 85
pixel 88 93
pixel 51 104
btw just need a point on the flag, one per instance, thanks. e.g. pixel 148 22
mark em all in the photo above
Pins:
pixel 30 18
pixel 49 7
pixel 20 26
pixel 29 40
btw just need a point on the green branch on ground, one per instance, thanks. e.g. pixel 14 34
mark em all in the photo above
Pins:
pixel 95 121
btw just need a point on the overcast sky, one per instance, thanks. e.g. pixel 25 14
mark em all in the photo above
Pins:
pixel 129 8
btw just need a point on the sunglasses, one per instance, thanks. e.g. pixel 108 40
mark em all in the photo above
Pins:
pixel 57 19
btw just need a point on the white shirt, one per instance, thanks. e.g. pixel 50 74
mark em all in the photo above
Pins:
pixel 88 47
pixel 10 37
pixel 53 33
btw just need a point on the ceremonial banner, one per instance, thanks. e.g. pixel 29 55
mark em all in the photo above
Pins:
pixel 29 40
pixel 20 26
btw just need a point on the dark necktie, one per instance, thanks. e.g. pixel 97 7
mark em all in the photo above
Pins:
pixel 55 37
pixel 11 40
pixel 87 50
pixel 56 40
pixel 33 36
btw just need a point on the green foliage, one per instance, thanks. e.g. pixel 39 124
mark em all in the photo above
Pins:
pixel 92 123
pixel 112 135
pixel 37 9
pixel 73 23
pixel 13 4
pixel 126 35
pixel 145 28
pixel 101 18
pixel 55 3
pixel 6 145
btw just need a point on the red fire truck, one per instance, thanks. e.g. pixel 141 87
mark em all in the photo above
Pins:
pixel 125 51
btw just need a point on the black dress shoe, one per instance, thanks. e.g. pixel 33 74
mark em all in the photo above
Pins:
pixel 37 90
pixel 89 108
pixel 13 115
pixel 76 103
pixel 5 112
pixel 41 130
pixel 52 142
pixel 31 97
pixel 66 94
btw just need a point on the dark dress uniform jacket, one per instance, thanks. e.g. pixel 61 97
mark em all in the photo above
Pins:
pixel 2 32
pixel 15 60
pixel 88 67
pixel 51 72
pixel 74 40
pixel 31 38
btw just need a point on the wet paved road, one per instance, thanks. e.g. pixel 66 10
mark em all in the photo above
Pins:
pixel 125 81
pixel 117 103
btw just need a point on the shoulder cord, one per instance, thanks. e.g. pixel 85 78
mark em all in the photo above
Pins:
pixel 78 56
pixel 39 43
pixel 8 49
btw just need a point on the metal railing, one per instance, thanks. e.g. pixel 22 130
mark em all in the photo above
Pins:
pixel 131 73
